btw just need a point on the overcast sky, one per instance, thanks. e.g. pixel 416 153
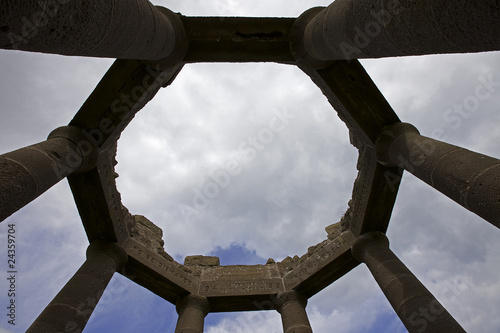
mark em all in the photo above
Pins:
pixel 298 182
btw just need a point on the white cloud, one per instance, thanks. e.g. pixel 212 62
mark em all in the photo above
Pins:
pixel 250 322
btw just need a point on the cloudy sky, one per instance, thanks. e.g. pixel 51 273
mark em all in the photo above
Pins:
pixel 298 182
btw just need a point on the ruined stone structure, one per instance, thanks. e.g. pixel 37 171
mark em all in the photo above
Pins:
pixel 151 45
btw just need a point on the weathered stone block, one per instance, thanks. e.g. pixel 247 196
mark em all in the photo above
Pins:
pixel 202 261
pixel 334 230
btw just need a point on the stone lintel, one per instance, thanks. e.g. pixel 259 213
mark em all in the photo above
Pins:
pixel 373 196
pixel 240 303
pixel 239 287
pixel 366 113
pixel 149 234
pixel 126 88
pixel 98 201
pixel 322 267
pixel 235 280
pixel 202 260
pixel 355 97
pixel 238 39
pixel 334 230
pixel 166 278
pixel 235 272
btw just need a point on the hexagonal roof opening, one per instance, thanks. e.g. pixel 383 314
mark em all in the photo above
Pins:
pixel 238 161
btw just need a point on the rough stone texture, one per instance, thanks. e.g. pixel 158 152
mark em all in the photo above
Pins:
pixel 348 87
pixel 147 233
pixel 88 150
pixel 292 307
pixel 350 29
pixel 469 178
pixel 192 311
pixel 163 276
pixel 228 281
pixel 240 287
pixel 125 89
pixel 202 261
pixel 127 29
pixel 366 113
pixel 403 290
pixel 333 231
pixel 238 39
pixel 72 306
pixel 99 202
pixel 322 265
pixel 28 172
pixel 373 195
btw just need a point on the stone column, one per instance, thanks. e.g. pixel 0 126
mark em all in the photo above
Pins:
pixel 471 179
pixel 417 308
pixel 192 311
pixel 70 310
pixel 351 29
pixel 292 307
pixel 126 29
pixel 28 172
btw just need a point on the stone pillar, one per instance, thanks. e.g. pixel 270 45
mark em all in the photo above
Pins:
pixel 192 311
pixel 292 307
pixel 471 179
pixel 28 172
pixel 417 308
pixel 70 310
pixel 351 29
pixel 126 29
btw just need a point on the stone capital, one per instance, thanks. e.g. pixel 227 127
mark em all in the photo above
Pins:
pixel 193 301
pixel 298 40
pixel 85 144
pixel 293 296
pixel 110 249
pixel 386 139
pixel 367 241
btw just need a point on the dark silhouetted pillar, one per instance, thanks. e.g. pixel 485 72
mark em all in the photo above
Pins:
pixel 28 172
pixel 471 179
pixel 126 29
pixel 192 311
pixel 292 307
pixel 417 308
pixel 352 29
pixel 70 310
